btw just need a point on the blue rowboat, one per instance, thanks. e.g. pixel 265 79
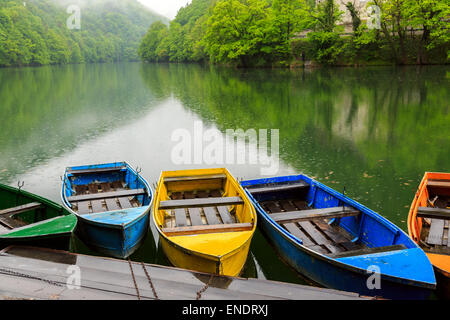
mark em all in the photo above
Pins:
pixel 337 242
pixel 112 203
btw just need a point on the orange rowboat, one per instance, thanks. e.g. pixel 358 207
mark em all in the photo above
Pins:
pixel 429 224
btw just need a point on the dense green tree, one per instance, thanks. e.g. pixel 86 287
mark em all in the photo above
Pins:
pixel 37 34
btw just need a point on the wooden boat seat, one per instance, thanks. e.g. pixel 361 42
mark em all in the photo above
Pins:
pixel 106 195
pixel 195 178
pixel 111 204
pixel 365 251
pixel 305 215
pixel 20 209
pixel 95 170
pixel 11 223
pixel 279 188
pixel 433 213
pixel 219 228
pixel 200 203
pixel 436 233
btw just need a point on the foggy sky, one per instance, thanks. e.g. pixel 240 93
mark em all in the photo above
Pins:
pixel 167 8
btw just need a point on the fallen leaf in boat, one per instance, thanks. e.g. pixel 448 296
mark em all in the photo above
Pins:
pixel 331 172
pixel 406 184
pixel 366 175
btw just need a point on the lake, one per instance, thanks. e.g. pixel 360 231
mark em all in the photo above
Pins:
pixel 373 131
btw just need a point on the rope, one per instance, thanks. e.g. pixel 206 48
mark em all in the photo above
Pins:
pixel 134 280
pixel 23 275
pixel 150 281
pixel 199 293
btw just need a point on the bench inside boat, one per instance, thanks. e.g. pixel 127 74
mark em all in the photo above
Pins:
pixel 318 228
pixel 204 210
pixel 20 216
pixel 101 190
pixel 435 234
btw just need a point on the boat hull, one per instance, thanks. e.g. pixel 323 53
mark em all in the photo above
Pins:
pixel 60 241
pixel 323 272
pixel 400 274
pixel 231 265
pixel 118 242
pixel 118 232
pixel 441 262
pixel 217 252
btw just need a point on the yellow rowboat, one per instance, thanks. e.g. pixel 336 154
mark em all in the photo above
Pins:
pixel 205 220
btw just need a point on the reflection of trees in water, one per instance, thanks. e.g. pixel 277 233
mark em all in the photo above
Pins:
pixel 49 110
pixel 381 122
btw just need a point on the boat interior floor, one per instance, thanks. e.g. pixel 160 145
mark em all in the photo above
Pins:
pixel 9 219
pixel 435 234
pixel 105 196
pixel 317 234
pixel 201 216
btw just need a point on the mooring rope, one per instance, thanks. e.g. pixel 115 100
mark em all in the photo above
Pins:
pixel 200 292
pixel 134 280
pixel 150 281
pixel 23 275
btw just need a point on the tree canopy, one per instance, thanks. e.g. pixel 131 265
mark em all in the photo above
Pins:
pixel 35 32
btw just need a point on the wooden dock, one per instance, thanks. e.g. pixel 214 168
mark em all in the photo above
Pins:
pixel 36 273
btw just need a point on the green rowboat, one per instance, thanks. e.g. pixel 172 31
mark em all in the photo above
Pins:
pixel 29 219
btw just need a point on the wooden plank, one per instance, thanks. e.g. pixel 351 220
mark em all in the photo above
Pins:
pixel 286 205
pixel 215 193
pixel 296 232
pixel 81 189
pixel 194 178
pixel 278 188
pixel 176 196
pixel 448 234
pixel 211 216
pixel 202 194
pixel 200 202
pixel 106 187
pixel 12 223
pixel 117 185
pixel 236 227
pixel 300 204
pixel 83 207
pixel 20 209
pixel 436 232
pixel 438 183
pixel 97 206
pixel 332 232
pixel 112 204
pixel 369 251
pixel 105 195
pixel 93 188
pixel 95 170
pixel 125 203
pixel 305 215
pixel 188 195
pixel 272 207
pixel 196 218
pixel 180 218
pixel 350 246
pixel 434 213
pixel 225 215
pixel 317 236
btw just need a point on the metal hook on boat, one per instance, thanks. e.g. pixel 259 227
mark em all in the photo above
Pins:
pixel 20 184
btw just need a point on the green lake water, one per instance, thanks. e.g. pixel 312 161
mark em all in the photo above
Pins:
pixel 374 131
